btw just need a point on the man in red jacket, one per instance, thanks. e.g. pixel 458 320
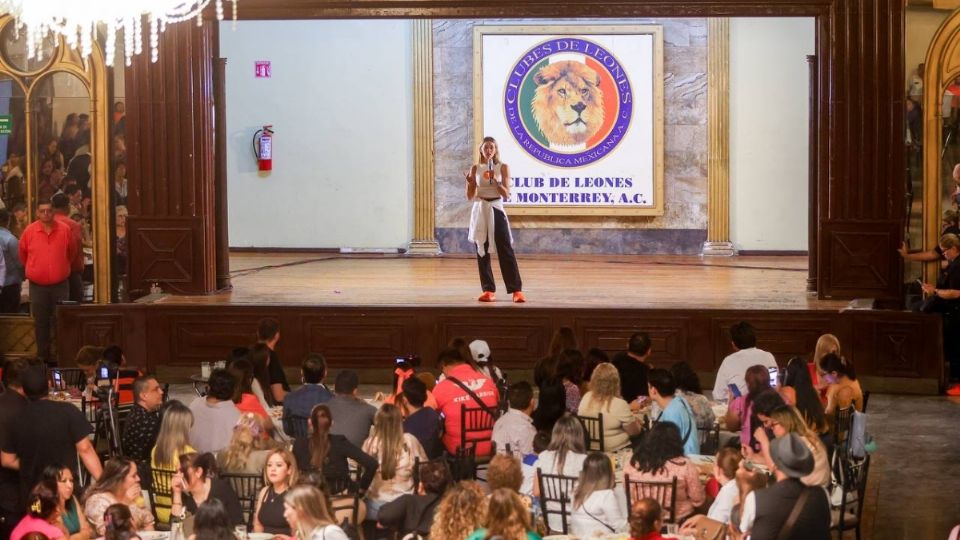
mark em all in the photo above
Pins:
pixel 47 249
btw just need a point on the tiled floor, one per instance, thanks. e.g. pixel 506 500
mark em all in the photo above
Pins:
pixel 912 491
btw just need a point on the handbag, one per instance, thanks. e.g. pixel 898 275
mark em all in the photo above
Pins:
pixel 710 529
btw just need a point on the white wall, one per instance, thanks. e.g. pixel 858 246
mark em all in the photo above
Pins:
pixel 769 88
pixel 341 102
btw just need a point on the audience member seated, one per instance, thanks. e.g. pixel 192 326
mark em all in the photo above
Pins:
pixel 212 522
pixel 514 430
pixel 302 400
pixel 766 511
pixel 596 507
pixel 826 344
pixel 119 523
pixel 594 358
pixel 261 357
pixel 248 448
pixel 268 333
pixel 529 462
pixel 461 511
pixel 786 419
pixel 119 484
pixel 798 391
pixel 41 515
pixel 663 392
pixel 172 442
pixel 406 369
pixel 633 365
pixel 396 452
pixel 551 405
pixel 546 368
pixel 688 385
pixel 87 359
pixel 142 425
pixel 569 372
pixel 659 458
pixel 505 472
pixel 214 415
pixel 352 415
pixel 414 513
pixel 47 433
pixel 483 358
pixel 463 385
pixel 843 388
pixel 564 455
pixel 243 397
pixel 724 471
pixel 70 519
pixel 12 404
pixel 645 520
pixel 507 518
pixel 309 515
pixel 279 475
pixel 196 483
pixel 419 420
pixel 604 398
pixel 734 366
pixel 740 411
pixel 326 454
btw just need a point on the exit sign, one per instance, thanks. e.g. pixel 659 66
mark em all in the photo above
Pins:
pixel 6 124
pixel 261 69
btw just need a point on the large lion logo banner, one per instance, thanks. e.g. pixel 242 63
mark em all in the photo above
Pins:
pixel 575 116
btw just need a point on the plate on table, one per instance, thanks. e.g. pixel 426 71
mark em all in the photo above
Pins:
pixel 153 535
pixel 260 536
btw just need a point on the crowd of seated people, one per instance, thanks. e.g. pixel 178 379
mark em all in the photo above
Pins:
pixel 403 459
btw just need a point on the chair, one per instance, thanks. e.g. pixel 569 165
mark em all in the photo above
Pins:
pixel 663 492
pixel 556 498
pixel 593 427
pixel 866 398
pixel 346 489
pixel 709 439
pixel 854 485
pixel 63 379
pixel 296 427
pixel 463 464
pixel 247 487
pixel 161 491
pixel 843 421
pixel 476 426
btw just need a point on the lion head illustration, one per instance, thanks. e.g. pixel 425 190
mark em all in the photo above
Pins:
pixel 568 105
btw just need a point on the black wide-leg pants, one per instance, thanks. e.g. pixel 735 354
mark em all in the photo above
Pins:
pixel 508 261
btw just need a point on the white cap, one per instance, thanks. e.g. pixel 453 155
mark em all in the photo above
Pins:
pixel 480 351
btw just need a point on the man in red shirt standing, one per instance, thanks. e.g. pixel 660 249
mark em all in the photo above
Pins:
pixel 61 210
pixel 452 392
pixel 47 249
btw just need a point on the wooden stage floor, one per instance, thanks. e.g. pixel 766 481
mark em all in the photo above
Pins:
pixel 550 281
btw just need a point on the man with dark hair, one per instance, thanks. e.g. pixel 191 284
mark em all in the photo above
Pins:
pixel 514 430
pixel 74 195
pixel 61 212
pixel 12 404
pixel 633 365
pixel 421 422
pixel 352 416
pixel 302 400
pixel 47 249
pixel 675 408
pixel 268 333
pixel 414 513
pixel 461 386
pixel 734 366
pixel 47 433
pixel 143 423
pixel 214 415
pixel 13 270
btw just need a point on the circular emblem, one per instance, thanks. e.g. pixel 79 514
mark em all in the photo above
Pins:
pixel 568 101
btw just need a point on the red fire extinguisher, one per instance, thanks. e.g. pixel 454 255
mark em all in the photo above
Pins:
pixel 263 148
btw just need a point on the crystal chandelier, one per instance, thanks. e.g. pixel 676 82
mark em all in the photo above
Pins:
pixel 77 21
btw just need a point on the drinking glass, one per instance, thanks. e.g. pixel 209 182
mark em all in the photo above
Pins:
pixel 240 531
pixel 205 370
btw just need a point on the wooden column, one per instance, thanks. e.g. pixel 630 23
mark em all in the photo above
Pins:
pixel 812 212
pixel 718 139
pixel 220 174
pixel 424 219
pixel 171 232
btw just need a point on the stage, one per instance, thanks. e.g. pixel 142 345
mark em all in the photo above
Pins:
pixel 362 310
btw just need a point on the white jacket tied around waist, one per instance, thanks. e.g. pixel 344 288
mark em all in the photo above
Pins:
pixel 482 225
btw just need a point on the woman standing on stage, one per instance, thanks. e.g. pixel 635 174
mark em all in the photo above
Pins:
pixel 488 184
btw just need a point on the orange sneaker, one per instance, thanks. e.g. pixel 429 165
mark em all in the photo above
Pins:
pixel 954 390
pixel 519 298
pixel 487 297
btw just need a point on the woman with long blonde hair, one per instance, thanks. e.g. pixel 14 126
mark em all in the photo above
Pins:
pixel 507 518
pixel 309 515
pixel 461 511
pixel 604 398
pixel 488 185
pixel 786 419
pixel 826 344
pixel 173 440
pixel 279 475
pixel 248 448
pixel 396 452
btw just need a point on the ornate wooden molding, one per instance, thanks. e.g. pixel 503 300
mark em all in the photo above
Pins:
pixel 424 214
pixel 718 138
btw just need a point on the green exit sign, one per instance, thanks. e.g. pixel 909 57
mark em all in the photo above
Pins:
pixel 6 124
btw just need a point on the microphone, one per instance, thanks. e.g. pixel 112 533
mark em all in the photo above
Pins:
pixel 490 169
